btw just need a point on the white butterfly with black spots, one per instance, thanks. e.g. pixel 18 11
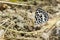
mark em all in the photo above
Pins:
pixel 41 16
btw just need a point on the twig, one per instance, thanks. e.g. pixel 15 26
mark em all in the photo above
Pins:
pixel 13 3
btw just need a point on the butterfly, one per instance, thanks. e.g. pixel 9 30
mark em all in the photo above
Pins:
pixel 41 16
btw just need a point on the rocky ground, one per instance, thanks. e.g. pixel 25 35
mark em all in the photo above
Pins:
pixel 18 21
